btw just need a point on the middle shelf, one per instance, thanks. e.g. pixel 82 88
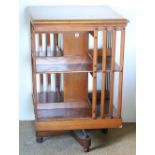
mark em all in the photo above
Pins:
pixel 67 64
pixel 63 64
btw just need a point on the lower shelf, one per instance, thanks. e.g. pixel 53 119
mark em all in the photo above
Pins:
pixel 52 106
pixel 64 113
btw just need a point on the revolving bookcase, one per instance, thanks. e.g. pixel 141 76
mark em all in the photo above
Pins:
pixel 68 65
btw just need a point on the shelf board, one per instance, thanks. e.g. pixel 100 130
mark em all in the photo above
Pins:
pixel 50 97
pixel 108 64
pixel 52 106
pixel 63 105
pixel 108 59
pixel 64 113
pixel 63 64
pixel 100 52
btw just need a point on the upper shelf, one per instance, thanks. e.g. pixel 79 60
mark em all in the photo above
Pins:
pixel 63 64
pixel 108 60
pixel 73 14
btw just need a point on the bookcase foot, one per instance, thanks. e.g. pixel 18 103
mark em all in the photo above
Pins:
pixel 39 139
pixel 82 138
pixel 105 131
pixel 86 149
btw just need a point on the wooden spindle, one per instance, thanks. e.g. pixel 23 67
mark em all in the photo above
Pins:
pixel 47 48
pixel 57 75
pixel 112 73
pixel 103 73
pixel 34 83
pixel 106 83
pixel 94 97
pixel 55 41
pixel 122 49
pixel 47 43
pixel 41 75
pixel 121 73
pixel 109 81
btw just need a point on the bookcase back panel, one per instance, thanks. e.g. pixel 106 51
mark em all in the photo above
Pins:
pixel 75 86
pixel 75 43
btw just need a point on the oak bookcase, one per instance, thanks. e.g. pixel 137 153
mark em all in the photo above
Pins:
pixel 63 61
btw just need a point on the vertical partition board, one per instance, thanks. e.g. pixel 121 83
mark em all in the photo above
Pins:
pixel 75 84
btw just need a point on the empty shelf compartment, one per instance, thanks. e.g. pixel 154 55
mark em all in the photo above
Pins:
pixel 51 105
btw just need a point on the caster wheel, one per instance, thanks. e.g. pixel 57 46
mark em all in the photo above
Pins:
pixel 105 131
pixel 86 149
pixel 39 139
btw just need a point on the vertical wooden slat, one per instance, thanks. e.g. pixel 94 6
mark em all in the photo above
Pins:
pixel 57 75
pixel 103 73
pixel 121 73
pixel 122 49
pixel 55 41
pixel 33 52
pixel 108 81
pixel 41 75
pixel 47 47
pixel 94 97
pixel 47 43
pixel 112 73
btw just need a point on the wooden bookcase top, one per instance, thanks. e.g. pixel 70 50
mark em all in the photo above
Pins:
pixel 74 14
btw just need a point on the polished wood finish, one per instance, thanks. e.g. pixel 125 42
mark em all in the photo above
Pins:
pixel 76 43
pixel 72 90
pixel 61 113
pixel 62 105
pixel 63 64
pixel 77 124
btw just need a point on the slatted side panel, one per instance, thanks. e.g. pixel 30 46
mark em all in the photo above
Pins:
pixel 121 72
pixel 112 73
pixel 103 73
pixel 94 94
